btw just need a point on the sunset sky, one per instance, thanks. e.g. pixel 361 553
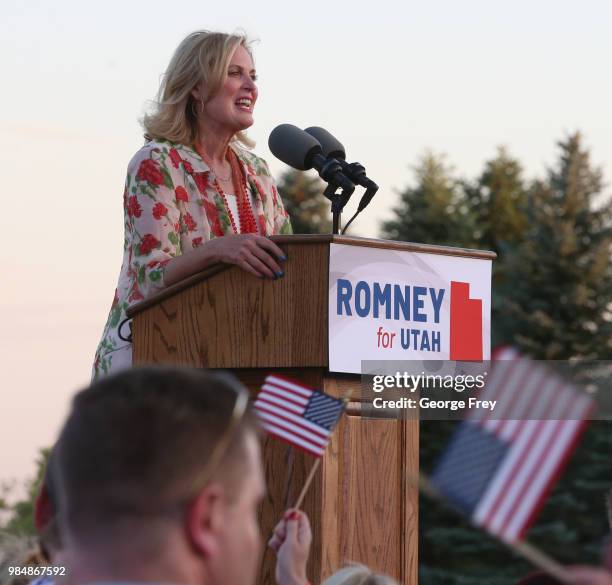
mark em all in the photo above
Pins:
pixel 389 80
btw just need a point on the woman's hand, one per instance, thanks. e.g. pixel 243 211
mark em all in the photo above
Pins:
pixel 255 254
pixel 291 543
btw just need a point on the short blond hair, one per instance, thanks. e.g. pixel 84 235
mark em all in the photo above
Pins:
pixel 358 575
pixel 202 56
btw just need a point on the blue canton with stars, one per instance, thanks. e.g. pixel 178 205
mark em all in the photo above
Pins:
pixel 323 410
pixel 468 465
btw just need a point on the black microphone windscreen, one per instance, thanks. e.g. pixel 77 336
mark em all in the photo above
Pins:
pixel 332 147
pixel 293 146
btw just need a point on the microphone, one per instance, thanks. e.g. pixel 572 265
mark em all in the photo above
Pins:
pixel 333 148
pixel 302 151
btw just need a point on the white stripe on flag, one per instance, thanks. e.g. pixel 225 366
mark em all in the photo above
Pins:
pixel 492 389
pixel 521 381
pixel 322 432
pixel 503 474
pixel 287 426
pixel 537 406
pixel 530 456
pixel 507 386
pixel 533 493
pixel 285 394
pixel 565 433
pixel 288 385
pixel 531 440
pixel 289 406
pixel 293 439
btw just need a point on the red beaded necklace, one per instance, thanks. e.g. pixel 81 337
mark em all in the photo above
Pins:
pixel 248 225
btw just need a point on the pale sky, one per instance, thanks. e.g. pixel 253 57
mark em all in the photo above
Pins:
pixel 388 79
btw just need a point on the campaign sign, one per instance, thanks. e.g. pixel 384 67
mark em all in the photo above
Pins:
pixel 399 305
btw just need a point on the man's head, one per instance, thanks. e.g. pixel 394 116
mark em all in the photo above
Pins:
pixel 161 466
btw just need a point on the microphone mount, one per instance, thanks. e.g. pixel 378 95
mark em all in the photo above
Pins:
pixel 330 170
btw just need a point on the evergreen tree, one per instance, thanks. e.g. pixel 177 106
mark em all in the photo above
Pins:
pixel 20 515
pixel 552 298
pixel 557 305
pixel 498 201
pixel 303 197
pixel 435 211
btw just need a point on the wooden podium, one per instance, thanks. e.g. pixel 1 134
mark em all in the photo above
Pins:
pixel 361 504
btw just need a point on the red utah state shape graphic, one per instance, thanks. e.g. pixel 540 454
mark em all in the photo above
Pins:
pixel 465 324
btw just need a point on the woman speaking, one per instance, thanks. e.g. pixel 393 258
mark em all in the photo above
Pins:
pixel 193 194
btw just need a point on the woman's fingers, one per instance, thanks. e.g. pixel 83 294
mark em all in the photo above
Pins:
pixel 267 259
pixel 256 264
pixel 255 254
pixel 304 530
pixel 280 531
pixel 271 247
pixel 278 536
pixel 248 268
pixel 275 543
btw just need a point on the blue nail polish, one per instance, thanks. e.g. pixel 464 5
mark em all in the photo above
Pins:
pixel 279 274
pixel 284 258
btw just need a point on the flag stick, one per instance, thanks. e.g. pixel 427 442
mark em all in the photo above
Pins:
pixel 307 483
pixel 534 555
pixel 541 560
pixel 317 463
pixel 289 463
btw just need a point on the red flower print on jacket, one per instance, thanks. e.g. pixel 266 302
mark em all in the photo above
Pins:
pixel 159 210
pixel 191 225
pixel 262 224
pixel 135 295
pixel 260 190
pixel 175 157
pixel 178 210
pixel 133 207
pixel 149 171
pixel 181 193
pixel 213 217
pixel 201 180
pixel 148 242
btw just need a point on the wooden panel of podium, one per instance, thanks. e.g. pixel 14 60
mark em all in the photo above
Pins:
pixel 361 505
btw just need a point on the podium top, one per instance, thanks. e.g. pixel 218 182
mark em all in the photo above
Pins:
pixel 316 239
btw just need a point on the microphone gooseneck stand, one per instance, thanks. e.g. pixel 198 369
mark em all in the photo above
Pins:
pixel 337 201
pixel 331 172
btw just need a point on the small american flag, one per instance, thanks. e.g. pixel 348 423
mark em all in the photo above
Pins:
pixel 297 414
pixel 499 467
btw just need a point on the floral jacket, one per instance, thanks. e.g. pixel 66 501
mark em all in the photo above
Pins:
pixel 171 207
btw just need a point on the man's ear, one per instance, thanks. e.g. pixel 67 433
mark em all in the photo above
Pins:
pixel 204 520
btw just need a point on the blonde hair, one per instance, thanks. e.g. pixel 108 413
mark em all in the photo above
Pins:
pixel 358 575
pixel 201 56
